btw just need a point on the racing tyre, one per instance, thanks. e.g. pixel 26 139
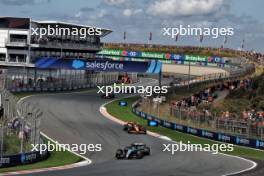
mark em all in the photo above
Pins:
pixel 144 131
pixel 147 151
pixel 125 128
pixel 119 154
pixel 139 155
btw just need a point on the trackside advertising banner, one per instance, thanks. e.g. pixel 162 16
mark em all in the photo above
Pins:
pixel 161 56
pixel 22 158
pixel 98 65
pixel 200 63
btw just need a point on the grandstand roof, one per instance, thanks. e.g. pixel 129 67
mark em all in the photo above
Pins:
pixel 19 19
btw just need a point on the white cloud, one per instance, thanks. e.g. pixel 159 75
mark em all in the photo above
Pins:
pixel 115 2
pixel 130 12
pixel 184 7
pixel 77 15
pixel 127 12
pixel 23 2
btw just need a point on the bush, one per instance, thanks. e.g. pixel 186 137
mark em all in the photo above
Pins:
pixel 239 93
pixel 260 89
pixel 260 105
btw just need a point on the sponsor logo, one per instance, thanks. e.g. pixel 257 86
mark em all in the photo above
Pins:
pixel 222 137
pixel 4 161
pixel 178 127
pixel 143 114
pixel 192 130
pixel 28 157
pixel 259 143
pixel 152 123
pixel 94 65
pixel 242 141
pixel 122 103
pixel 166 124
pixel 207 134
pixel 77 64
pixel 149 117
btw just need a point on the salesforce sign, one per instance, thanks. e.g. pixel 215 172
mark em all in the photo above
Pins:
pixel 104 65
pixel 99 65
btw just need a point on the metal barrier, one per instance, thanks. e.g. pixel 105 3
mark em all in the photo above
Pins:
pixel 206 120
pixel 234 73
pixel 55 80
pixel 20 127
pixel 217 136
pixel 207 125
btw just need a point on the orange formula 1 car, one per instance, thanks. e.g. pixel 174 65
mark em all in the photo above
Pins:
pixel 132 127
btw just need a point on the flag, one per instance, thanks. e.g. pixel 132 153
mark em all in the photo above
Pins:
pixel 243 43
pixel 124 36
pixel 150 36
pixel 224 42
pixel 225 39
pixel 177 37
pixel 201 38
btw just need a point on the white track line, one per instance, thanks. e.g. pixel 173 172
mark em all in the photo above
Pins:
pixel 254 165
pixel 107 115
pixel 86 161
pixel 70 166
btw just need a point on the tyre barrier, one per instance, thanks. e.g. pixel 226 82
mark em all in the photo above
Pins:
pixel 23 158
pixel 216 136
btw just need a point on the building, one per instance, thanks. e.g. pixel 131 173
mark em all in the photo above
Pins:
pixel 20 46
pixel 23 41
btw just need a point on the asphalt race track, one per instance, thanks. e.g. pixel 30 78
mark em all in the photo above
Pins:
pixel 75 118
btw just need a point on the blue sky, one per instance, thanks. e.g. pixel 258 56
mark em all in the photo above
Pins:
pixel 139 17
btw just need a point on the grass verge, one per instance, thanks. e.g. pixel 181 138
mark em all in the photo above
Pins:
pixel 56 158
pixel 126 114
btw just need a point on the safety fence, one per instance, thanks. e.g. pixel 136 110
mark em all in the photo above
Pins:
pixel 193 117
pixel 28 80
pixel 225 130
pixel 232 73
pixel 20 128
pixel 217 136
pixel 206 120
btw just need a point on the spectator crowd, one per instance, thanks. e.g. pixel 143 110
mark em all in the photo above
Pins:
pixel 189 107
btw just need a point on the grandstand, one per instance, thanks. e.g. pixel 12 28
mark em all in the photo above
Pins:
pixel 20 49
